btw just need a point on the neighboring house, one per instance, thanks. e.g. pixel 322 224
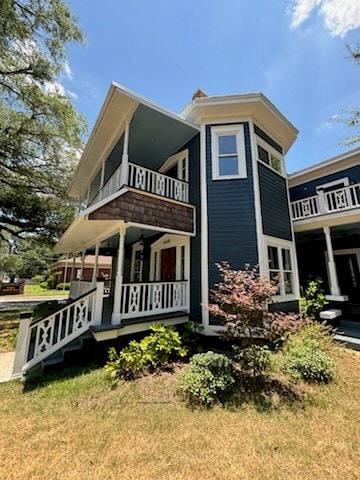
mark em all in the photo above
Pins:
pixel 170 196
pixel 68 269
pixel 325 202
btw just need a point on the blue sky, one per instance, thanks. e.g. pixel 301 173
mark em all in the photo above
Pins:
pixel 292 51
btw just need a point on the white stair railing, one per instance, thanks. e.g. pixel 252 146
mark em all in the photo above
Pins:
pixel 41 338
pixel 154 182
pixel 144 299
pixel 345 198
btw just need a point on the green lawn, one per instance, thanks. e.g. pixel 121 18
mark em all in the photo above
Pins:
pixel 37 290
pixel 9 324
pixel 76 427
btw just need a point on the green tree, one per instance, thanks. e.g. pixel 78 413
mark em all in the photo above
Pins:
pixel 352 115
pixel 40 131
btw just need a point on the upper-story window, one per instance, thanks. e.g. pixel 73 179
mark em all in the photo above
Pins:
pixel 228 152
pixel 270 156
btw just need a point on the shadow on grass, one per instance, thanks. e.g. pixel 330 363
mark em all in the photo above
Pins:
pixel 266 393
pixel 37 380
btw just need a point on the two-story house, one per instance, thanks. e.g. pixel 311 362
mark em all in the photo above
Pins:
pixel 167 196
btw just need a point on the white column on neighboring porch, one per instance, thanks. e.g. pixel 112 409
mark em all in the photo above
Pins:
pixel 116 315
pixel 125 155
pixel 96 263
pixel 65 270
pixel 73 266
pixel 81 277
pixel 334 285
pixel 88 196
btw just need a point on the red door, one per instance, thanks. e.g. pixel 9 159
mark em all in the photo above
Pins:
pixel 168 265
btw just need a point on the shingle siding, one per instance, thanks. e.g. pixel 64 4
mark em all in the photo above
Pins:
pixel 274 204
pixel 231 216
pixel 308 189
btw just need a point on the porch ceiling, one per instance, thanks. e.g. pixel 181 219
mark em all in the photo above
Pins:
pixel 155 134
pixel 84 233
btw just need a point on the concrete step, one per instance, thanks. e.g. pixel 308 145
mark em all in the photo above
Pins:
pixel 349 342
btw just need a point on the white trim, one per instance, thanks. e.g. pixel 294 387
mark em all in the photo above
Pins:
pixel 155 228
pixel 344 181
pixel 137 247
pixel 204 232
pixel 272 151
pixel 176 159
pixel 238 131
pixel 280 243
pixel 257 201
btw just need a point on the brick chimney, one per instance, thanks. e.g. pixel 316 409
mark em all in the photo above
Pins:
pixel 199 94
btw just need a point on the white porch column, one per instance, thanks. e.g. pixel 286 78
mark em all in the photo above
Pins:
pixel 334 285
pixel 102 175
pixel 88 196
pixel 116 315
pixel 96 263
pixel 125 155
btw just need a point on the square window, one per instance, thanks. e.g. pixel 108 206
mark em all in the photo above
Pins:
pixel 288 286
pixel 286 259
pixel 263 155
pixel 227 144
pixel 275 163
pixel 273 258
pixel 228 166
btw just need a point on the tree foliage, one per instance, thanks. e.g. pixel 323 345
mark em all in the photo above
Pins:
pixel 40 131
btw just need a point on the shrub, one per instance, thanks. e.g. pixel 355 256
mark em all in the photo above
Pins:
pixel 302 362
pixel 255 359
pixel 44 285
pixel 314 298
pixel 45 308
pixel 152 351
pixel 316 336
pixel 191 336
pixel 207 379
pixel 63 286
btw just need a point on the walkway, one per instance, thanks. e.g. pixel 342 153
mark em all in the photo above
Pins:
pixel 6 366
pixel 16 301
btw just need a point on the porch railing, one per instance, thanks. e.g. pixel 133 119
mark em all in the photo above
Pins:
pixel 345 198
pixel 144 299
pixel 110 187
pixel 39 339
pixel 158 183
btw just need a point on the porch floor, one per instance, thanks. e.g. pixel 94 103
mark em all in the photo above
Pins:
pixel 349 334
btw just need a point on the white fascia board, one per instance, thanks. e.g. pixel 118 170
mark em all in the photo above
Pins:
pixel 237 99
pixel 326 167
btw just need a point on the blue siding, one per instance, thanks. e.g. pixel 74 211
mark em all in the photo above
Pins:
pixel 308 189
pixel 274 204
pixel 267 139
pixel 195 242
pixel 231 216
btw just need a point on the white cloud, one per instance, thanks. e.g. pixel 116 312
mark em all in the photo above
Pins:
pixel 340 16
pixel 68 71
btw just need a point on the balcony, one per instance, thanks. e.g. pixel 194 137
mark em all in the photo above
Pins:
pixel 325 203
pixel 147 180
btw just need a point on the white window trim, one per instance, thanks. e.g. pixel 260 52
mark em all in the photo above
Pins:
pixel 177 160
pixel 271 150
pixel 136 248
pixel 341 182
pixel 288 245
pixel 238 131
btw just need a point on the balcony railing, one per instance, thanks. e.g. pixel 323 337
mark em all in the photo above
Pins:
pixel 153 298
pixel 345 198
pixel 158 183
pixel 147 180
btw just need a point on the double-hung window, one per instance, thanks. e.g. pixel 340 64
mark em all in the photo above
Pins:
pixel 281 269
pixel 228 152
pixel 269 156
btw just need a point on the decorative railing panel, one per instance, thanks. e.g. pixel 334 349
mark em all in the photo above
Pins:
pixel 154 182
pixel 47 335
pixel 345 198
pixel 143 299
pixel 110 187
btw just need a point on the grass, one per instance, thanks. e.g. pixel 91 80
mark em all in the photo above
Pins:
pixel 9 324
pixel 73 426
pixel 38 291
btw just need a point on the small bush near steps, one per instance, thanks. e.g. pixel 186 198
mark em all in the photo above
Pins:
pixel 206 380
pixel 153 351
